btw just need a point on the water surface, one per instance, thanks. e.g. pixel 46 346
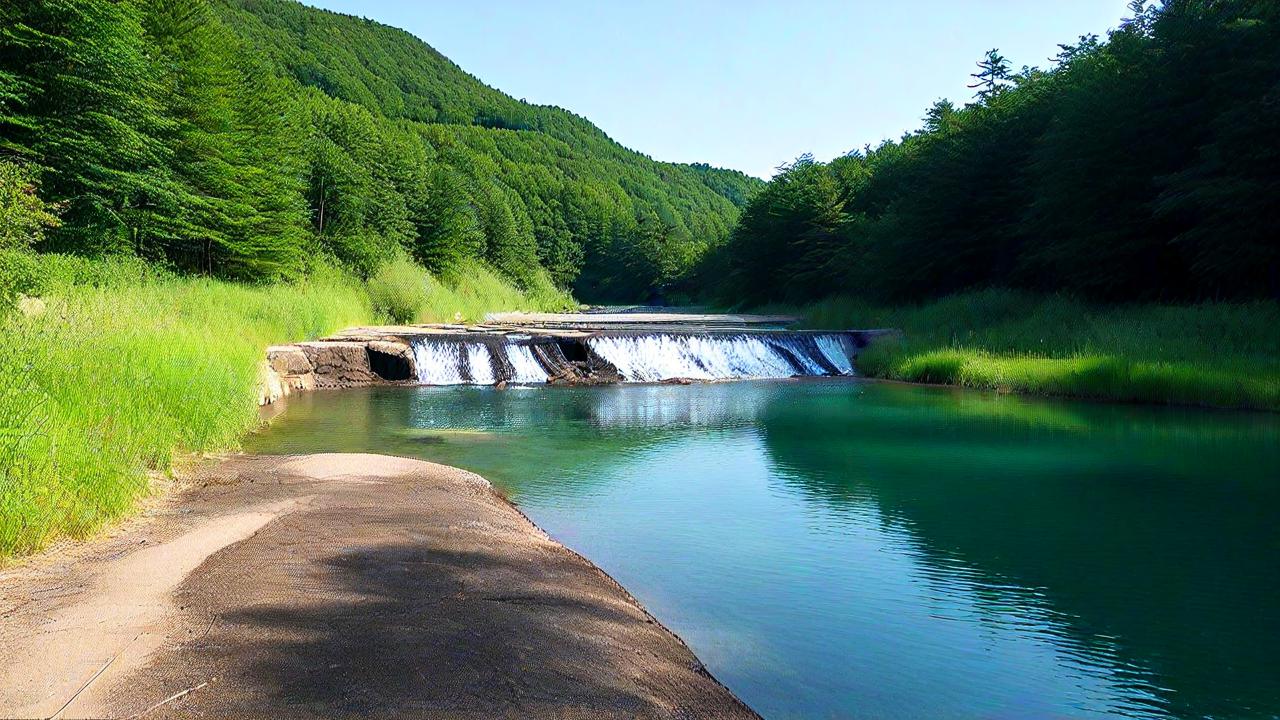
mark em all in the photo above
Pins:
pixel 836 548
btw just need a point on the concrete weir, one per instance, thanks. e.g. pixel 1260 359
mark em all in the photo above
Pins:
pixel 579 348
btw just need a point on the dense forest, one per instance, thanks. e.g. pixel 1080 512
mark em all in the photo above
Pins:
pixel 1142 166
pixel 247 138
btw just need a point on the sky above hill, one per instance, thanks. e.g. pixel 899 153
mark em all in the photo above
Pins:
pixel 743 84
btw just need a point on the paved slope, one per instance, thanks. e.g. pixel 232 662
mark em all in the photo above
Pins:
pixel 339 586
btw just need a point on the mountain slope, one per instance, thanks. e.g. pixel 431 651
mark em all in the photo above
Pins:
pixel 611 221
pixel 249 139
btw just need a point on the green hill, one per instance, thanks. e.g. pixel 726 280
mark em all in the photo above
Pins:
pixel 242 138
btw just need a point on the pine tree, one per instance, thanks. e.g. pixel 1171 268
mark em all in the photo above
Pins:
pixel 992 75
pixel 80 100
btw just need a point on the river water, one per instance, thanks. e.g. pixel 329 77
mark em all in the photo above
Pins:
pixel 838 548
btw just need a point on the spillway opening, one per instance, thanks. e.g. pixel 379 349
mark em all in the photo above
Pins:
pixel 390 366
pixel 573 350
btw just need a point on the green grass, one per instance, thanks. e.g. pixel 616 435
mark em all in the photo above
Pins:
pixel 1211 354
pixel 129 368
pixel 472 290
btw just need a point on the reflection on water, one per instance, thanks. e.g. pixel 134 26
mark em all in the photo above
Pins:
pixel 836 548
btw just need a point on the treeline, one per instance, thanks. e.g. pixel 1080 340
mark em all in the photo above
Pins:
pixel 1145 166
pixel 243 138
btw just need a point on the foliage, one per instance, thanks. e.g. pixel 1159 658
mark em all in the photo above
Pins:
pixel 472 290
pixel 398 290
pixel 1142 167
pixel 24 217
pixel 236 137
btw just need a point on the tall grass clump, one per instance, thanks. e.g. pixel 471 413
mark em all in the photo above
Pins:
pixel 125 366
pixel 399 290
pixel 472 289
pixel 1212 354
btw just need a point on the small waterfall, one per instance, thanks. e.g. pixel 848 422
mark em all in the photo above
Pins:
pixel 480 364
pixel 446 362
pixel 438 362
pixel 525 369
pixel 650 357
pixel 839 350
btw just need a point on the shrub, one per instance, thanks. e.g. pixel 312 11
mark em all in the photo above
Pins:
pixel 19 275
pixel 398 290
pixel 23 215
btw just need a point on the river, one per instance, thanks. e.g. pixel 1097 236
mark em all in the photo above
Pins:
pixel 840 548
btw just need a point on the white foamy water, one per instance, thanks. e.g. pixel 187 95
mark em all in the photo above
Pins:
pixel 650 358
pixel 445 362
pixel 524 366
pixel 645 358
pixel 480 364
pixel 438 363
pixel 838 350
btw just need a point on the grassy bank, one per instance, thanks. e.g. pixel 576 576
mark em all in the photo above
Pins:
pixel 403 292
pixel 1212 354
pixel 128 367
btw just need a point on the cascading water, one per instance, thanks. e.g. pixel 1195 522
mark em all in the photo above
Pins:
pixel 480 364
pixel 525 368
pixel 444 362
pixel 649 357
pixel 438 362
pixel 838 350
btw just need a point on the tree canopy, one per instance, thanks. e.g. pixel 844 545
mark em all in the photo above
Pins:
pixel 239 137
pixel 1145 166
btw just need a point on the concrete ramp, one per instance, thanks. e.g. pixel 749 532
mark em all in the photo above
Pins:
pixel 339 586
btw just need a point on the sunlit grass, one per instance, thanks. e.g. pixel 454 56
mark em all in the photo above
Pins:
pixel 128 368
pixel 1213 354
pixel 471 291
pixel 113 379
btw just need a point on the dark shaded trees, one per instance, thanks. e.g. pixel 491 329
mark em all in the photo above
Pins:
pixel 1143 167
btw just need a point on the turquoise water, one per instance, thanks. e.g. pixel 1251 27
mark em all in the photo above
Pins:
pixel 842 549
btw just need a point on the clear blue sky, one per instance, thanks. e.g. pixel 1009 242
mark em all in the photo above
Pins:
pixel 744 84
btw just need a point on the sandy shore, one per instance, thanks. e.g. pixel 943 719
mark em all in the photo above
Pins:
pixel 337 586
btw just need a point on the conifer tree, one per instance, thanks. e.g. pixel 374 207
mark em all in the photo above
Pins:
pixel 993 73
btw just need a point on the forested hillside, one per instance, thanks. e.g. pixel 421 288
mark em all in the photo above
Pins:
pixel 244 138
pixel 1142 166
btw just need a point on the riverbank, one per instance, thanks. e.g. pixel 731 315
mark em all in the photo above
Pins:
pixel 1223 355
pixel 116 368
pixel 379 586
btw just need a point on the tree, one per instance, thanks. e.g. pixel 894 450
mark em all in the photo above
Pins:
pixel 1144 166
pixel 992 75
pixel 236 208
pixel 1068 53
pixel 80 101
pixel 940 116
pixel 1142 17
